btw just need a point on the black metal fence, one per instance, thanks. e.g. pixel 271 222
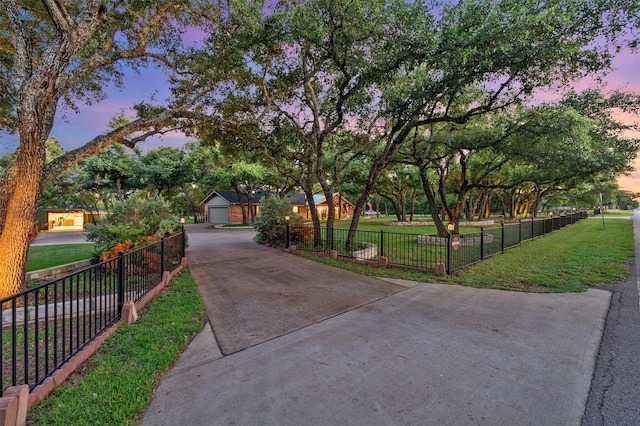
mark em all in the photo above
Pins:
pixel 43 327
pixel 470 248
pixel 419 250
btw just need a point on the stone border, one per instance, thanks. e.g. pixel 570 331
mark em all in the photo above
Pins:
pixel 475 224
pixel 369 251
pixel 79 309
pixel 57 271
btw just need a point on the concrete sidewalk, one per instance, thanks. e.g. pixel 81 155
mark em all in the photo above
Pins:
pixel 397 353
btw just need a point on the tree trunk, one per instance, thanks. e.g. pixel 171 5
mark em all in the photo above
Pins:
pixel 249 211
pixel 536 203
pixel 514 203
pixel 413 204
pixel 393 143
pixel 19 208
pixel 433 205
pixel 242 205
pixel 377 204
pixel 524 210
pixel 457 211
pixel 41 74
pixel 503 203
pixel 313 211
pixel 483 205
pixel 402 206
pixel 396 208
pixel 120 191
pixel 331 210
pixel 192 204
pixel 468 212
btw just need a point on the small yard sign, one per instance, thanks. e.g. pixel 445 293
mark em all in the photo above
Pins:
pixel 455 242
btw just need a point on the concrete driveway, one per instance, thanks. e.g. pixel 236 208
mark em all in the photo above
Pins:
pixel 294 342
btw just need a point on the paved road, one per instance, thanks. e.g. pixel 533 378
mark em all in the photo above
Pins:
pixel 363 351
pixel 60 236
pixel 615 390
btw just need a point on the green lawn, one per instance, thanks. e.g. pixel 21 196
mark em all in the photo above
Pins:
pixel 116 385
pixel 43 257
pixel 616 213
pixel 572 259
pixel 383 224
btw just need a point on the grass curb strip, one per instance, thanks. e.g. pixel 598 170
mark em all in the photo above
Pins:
pixel 117 384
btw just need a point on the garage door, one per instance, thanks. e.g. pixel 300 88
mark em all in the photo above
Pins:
pixel 218 215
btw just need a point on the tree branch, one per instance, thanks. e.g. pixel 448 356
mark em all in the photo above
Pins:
pixel 59 15
pixel 158 125
pixel 22 63
pixel 106 55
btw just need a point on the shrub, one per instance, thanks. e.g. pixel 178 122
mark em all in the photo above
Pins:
pixel 299 232
pixel 272 214
pixel 131 224
pixel 117 249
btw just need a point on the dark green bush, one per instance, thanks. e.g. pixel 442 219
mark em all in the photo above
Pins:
pixel 133 219
pixel 272 213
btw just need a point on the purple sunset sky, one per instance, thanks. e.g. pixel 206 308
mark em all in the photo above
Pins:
pixel 74 130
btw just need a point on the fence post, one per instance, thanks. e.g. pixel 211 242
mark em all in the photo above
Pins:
pixel 286 232
pixel 120 283
pixel 161 257
pixel 502 232
pixel 449 254
pixel 331 237
pixel 519 231
pixel 381 243
pixel 481 243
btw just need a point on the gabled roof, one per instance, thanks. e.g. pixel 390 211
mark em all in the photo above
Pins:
pixel 232 197
pixel 319 199
pixel 298 199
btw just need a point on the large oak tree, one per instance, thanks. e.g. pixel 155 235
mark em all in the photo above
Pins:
pixel 387 70
pixel 54 54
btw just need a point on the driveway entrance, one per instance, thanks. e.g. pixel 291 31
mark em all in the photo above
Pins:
pixel 294 342
pixel 255 293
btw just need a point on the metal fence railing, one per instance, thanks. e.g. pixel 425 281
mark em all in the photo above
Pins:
pixel 474 247
pixel 420 251
pixel 44 326
pixel 399 248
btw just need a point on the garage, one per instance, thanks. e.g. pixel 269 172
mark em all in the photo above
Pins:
pixel 218 214
pixel 226 207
